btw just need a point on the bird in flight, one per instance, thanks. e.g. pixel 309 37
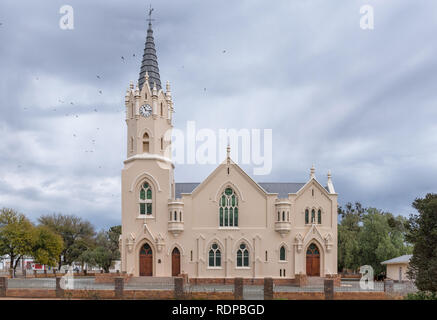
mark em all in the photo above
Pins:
pixel 98 77
pixel 122 58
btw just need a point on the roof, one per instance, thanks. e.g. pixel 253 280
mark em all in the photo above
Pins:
pixel 281 188
pixel 150 62
pixel 402 259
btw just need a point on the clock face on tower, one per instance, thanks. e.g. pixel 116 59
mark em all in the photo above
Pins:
pixel 145 110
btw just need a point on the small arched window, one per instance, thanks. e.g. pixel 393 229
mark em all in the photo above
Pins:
pixel 131 144
pixel 214 254
pixel 180 215
pixel 175 216
pixel 282 254
pixel 243 256
pixel 145 199
pixel 145 142
pixel 228 211
pixel 307 218
pixel 283 215
pixel 319 216
pixel 313 216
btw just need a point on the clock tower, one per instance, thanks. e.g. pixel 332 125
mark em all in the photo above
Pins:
pixel 147 178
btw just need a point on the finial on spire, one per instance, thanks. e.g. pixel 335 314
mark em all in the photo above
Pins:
pixel 150 15
pixel 312 172
pixel 131 85
pixel 329 174
pixel 167 86
pixel 146 76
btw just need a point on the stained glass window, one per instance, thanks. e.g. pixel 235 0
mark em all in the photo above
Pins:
pixel 214 256
pixel 307 216
pixel 145 199
pixel 319 216
pixel 243 256
pixel 228 211
pixel 282 254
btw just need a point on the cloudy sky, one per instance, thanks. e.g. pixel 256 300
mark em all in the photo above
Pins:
pixel 361 103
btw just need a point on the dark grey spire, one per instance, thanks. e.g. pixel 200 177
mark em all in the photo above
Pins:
pixel 150 60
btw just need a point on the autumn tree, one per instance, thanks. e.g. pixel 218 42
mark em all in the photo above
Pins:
pixel 46 246
pixel 16 236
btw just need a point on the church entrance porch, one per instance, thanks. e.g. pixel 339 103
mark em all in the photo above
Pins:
pixel 146 261
pixel 313 261
pixel 175 262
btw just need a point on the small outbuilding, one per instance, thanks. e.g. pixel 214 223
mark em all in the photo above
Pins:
pixel 397 267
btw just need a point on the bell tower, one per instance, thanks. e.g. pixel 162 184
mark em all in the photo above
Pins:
pixel 147 177
pixel 148 108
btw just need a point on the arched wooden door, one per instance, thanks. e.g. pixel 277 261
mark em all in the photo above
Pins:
pixel 175 262
pixel 313 261
pixel 146 261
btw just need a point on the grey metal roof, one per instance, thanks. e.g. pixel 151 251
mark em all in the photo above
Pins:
pixel 185 187
pixel 402 259
pixel 282 188
pixel 150 62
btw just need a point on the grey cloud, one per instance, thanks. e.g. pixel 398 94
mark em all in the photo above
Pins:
pixel 357 102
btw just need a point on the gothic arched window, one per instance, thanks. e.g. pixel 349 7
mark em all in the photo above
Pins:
pixel 313 216
pixel 319 216
pixel 282 254
pixel 146 199
pixel 243 256
pixel 228 211
pixel 146 142
pixel 214 255
pixel 307 218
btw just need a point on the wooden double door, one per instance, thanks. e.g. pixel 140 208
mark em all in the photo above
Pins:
pixel 313 261
pixel 146 261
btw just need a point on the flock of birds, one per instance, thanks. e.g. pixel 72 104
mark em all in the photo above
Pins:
pixel 61 101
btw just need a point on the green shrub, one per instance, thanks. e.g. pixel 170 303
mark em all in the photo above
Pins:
pixel 422 295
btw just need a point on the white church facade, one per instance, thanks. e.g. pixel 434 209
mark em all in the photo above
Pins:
pixel 224 227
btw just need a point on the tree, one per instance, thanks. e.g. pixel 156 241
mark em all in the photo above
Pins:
pixel 369 236
pixel 348 230
pixel 46 246
pixel 15 236
pixel 422 233
pixel 77 235
pixel 106 250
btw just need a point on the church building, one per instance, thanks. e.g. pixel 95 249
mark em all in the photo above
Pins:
pixel 224 227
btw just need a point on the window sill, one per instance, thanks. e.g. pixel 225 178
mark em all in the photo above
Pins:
pixel 229 228
pixel 242 268
pixel 214 268
pixel 283 261
pixel 144 217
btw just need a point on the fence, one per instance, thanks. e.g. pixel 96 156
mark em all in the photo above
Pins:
pixel 170 288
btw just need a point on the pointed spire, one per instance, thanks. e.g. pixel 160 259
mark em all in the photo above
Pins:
pixel 149 64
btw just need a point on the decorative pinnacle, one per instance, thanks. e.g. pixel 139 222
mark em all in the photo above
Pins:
pixel 167 87
pixel 312 172
pixel 329 175
pixel 147 76
pixel 131 85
